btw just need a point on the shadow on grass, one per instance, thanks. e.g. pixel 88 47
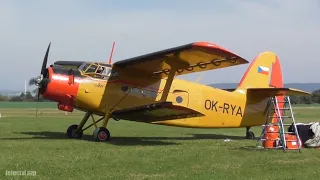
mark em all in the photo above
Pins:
pixel 128 141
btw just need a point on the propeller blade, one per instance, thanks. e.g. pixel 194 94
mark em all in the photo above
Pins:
pixel 45 60
pixel 43 69
pixel 38 97
pixel 32 81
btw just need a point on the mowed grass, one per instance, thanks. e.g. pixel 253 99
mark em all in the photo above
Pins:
pixel 143 151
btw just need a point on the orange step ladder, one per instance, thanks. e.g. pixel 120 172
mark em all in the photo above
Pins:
pixel 274 134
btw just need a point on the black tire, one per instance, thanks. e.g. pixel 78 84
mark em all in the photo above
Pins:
pixel 101 134
pixel 250 135
pixel 71 132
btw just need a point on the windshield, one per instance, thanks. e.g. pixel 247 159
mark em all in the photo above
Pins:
pixel 98 70
pixel 84 67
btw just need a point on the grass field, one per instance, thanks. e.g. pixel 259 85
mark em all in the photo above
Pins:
pixel 142 151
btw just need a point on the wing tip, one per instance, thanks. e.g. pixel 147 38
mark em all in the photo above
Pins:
pixel 215 46
pixel 300 92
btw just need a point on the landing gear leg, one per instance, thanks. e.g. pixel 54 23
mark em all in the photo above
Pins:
pixel 75 131
pixel 102 133
pixel 249 134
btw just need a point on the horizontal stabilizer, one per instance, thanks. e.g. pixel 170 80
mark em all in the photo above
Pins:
pixel 155 112
pixel 271 92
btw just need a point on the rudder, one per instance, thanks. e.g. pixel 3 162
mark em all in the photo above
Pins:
pixel 264 71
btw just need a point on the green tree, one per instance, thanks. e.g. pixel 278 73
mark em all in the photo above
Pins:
pixel 16 98
pixel 316 96
pixel 28 96
pixel 295 100
pixel 306 99
pixel 3 98
pixel 22 95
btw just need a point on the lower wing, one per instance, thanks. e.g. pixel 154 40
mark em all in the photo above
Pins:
pixel 155 112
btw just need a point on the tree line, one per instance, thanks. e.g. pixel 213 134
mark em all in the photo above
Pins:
pixel 313 99
pixel 28 97
pixel 23 97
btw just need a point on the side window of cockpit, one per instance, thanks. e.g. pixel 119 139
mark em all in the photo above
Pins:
pixel 101 70
pixel 92 69
pixel 83 67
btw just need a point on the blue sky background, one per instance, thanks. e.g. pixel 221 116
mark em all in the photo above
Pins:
pixel 85 30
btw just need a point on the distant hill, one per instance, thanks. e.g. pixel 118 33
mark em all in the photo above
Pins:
pixel 309 87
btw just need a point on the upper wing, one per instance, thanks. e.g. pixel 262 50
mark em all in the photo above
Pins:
pixel 194 57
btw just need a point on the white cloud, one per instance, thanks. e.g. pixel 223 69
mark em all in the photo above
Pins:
pixel 83 31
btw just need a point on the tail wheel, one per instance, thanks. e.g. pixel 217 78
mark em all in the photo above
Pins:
pixel 101 134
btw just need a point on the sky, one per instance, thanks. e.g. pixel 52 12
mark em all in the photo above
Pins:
pixel 85 30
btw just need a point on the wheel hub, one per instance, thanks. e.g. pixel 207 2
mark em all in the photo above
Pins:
pixel 102 135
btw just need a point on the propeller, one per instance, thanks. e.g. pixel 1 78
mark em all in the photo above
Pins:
pixel 40 81
pixel 32 81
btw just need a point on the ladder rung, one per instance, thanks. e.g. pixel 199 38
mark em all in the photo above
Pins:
pixel 269 139
pixel 280 116
pixel 281 108
pixel 289 133
pixel 281 101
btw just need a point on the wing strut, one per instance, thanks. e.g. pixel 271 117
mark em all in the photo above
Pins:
pixel 167 86
pixel 174 63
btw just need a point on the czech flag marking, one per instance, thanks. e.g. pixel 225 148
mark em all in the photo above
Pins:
pixel 263 70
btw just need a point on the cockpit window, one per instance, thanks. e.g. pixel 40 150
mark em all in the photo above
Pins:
pixel 92 69
pixel 83 67
pixel 88 68
pixel 97 70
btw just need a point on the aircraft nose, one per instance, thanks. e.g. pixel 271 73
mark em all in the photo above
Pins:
pixel 62 86
pixel 56 83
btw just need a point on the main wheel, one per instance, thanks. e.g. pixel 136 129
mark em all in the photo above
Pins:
pixel 71 132
pixel 250 135
pixel 101 134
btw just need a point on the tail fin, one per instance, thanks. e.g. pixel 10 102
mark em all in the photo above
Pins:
pixel 263 72
pixel 263 79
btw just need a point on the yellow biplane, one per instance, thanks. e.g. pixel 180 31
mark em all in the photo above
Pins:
pixel 145 89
